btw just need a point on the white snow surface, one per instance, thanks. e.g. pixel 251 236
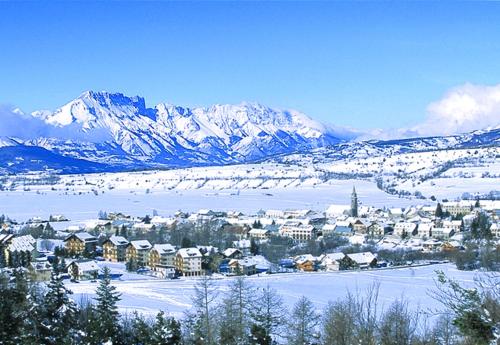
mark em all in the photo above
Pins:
pixel 149 295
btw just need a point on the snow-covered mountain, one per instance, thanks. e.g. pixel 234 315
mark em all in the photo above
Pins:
pixel 124 130
pixel 113 132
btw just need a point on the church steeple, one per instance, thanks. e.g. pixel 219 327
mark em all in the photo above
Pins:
pixel 354 203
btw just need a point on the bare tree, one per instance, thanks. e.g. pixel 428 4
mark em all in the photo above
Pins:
pixel 338 322
pixel 303 323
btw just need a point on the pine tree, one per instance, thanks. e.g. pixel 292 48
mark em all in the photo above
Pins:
pixel 141 330
pixel 59 313
pixel 166 331
pixel 106 309
pixel 439 211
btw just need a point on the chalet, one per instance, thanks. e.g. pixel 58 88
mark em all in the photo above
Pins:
pixel 188 262
pixel 242 267
pixel 80 242
pixel 162 256
pixel 114 248
pixel 232 253
pixel 306 262
pixel 82 270
pixel 359 226
pixel 332 261
pixel 138 251
pixel 20 251
pixel 362 260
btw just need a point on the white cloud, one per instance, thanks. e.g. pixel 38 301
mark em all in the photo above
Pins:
pixel 462 109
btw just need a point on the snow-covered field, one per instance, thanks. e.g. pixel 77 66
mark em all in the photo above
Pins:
pixel 174 296
pixel 22 205
pixel 292 182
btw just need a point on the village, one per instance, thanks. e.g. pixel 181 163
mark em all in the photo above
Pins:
pixel 344 237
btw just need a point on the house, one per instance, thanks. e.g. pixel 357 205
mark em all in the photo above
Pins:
pixel 403 229
pixel 455 225
pixel 375 229
pixel 243 246
pixel 424 230
pixel 331 261
pixel 298 232
pixel 82 270
pixel 162 256
pixel 114 248
pixel 20 251
pixel 343 228
pixel 306 262
pixel 362 260
pixel 188 262
pixel 495 230
pixel 359 226
pixel 242 267
pixel 165 271
pixel 41 270
pixel 138 251
pixel 259 234
pixel 232 253
pixel 327 229
pixel 432 244
pixel 458 207
pixel 443 233
pixel 80 242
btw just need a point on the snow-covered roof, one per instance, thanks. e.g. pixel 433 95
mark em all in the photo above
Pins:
pixel 362 258
pixel 86 266
pixel 189 252
pixel 22 244
pixel 165 248
pixel 332 257
pixel 141 244
pixel 84 237
pixel 118 240
pixel 230 252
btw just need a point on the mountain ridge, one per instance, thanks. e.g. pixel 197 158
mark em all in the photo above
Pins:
pixel 122 133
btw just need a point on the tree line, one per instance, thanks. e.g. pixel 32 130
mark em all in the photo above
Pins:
pixel 240 313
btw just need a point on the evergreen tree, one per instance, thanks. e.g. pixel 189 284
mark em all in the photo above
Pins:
pixel 106 309
pixel 259 336
pixel 439 211
pixel 254 248
pixel 166 331
pixel 141 330
pixel 59 313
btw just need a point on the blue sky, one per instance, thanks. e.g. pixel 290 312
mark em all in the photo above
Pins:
pixel 360 64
